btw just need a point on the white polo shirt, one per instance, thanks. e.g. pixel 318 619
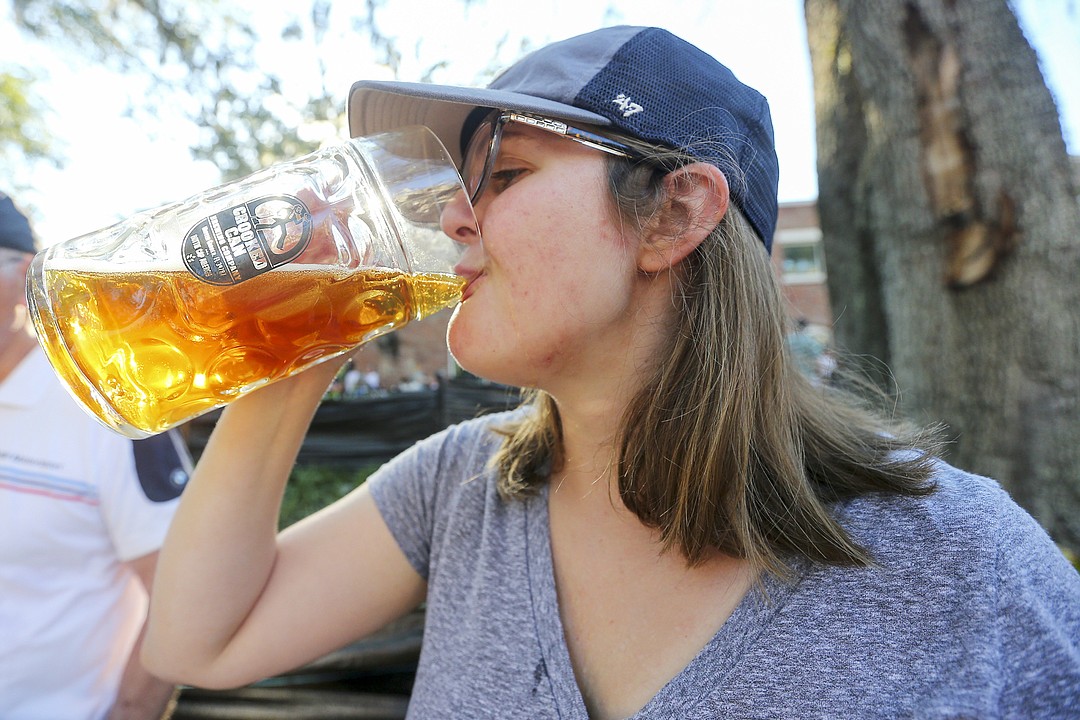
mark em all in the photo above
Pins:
pixel 75 504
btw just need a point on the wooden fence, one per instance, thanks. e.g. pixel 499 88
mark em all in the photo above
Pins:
pixel 374 428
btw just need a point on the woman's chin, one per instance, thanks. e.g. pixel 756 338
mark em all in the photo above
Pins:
pixel 478 360
pixel 464 347
pixel 485 351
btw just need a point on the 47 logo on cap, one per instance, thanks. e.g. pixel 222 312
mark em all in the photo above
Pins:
pixel 628 106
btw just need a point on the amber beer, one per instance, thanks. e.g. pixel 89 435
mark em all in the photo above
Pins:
pixel 161 346
pixel 183 308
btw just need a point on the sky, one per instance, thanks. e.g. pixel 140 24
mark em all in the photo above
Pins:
pixel 117 166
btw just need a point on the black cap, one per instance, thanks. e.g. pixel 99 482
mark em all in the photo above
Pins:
pixel 644 82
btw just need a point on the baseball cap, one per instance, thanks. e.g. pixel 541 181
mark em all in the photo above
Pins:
pixel 15 232
pixel 644 82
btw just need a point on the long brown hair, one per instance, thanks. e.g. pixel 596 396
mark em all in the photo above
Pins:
pixel 727 445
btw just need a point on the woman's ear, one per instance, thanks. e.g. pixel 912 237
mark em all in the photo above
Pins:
pixel 697 198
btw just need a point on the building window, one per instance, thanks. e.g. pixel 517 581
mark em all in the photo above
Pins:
pixel 802 257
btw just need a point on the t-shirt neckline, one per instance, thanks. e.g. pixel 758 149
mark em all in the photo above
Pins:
pixel 708 668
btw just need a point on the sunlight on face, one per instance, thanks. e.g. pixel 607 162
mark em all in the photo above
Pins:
pixel 555 291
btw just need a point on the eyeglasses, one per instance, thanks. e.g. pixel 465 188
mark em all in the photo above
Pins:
pixel 483 147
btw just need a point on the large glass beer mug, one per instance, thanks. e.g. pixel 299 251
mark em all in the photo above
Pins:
pixel 182 309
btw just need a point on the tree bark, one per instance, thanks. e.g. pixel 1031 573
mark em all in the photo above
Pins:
pixel 951 226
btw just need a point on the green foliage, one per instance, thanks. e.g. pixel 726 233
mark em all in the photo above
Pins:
pixel 1071 556
pixel 218 64
pixel 23 130
pixel 198 57
pixel 313 487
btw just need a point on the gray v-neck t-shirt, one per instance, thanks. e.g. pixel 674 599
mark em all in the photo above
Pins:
pixel 972 612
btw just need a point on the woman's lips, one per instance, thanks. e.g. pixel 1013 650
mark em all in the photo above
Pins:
pixel 471 279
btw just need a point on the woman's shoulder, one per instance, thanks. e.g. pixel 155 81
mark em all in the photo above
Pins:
pixel 458 452
pixel 969 519
pixel 482 434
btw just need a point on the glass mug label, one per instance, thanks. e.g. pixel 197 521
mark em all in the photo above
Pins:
pixel 246 240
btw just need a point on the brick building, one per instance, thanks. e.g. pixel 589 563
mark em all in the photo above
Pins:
pixel 798 257
pixel 415 353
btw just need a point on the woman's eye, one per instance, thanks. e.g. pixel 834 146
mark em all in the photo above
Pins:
pixel 502 179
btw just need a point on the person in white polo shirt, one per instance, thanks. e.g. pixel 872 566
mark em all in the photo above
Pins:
pixel 83 512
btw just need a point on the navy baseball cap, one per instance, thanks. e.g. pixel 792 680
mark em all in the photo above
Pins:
pixel 15 232
pixel 644 82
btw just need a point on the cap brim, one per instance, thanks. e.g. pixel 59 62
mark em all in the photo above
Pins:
pixel 378 106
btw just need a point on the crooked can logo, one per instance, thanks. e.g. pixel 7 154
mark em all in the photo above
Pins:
pixel 245 240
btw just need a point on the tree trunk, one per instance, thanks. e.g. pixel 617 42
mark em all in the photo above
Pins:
pixel 951 225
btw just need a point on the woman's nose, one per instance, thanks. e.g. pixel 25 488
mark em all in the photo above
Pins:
pixel 458 220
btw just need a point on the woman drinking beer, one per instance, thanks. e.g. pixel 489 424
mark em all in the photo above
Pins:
pixel 676 523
